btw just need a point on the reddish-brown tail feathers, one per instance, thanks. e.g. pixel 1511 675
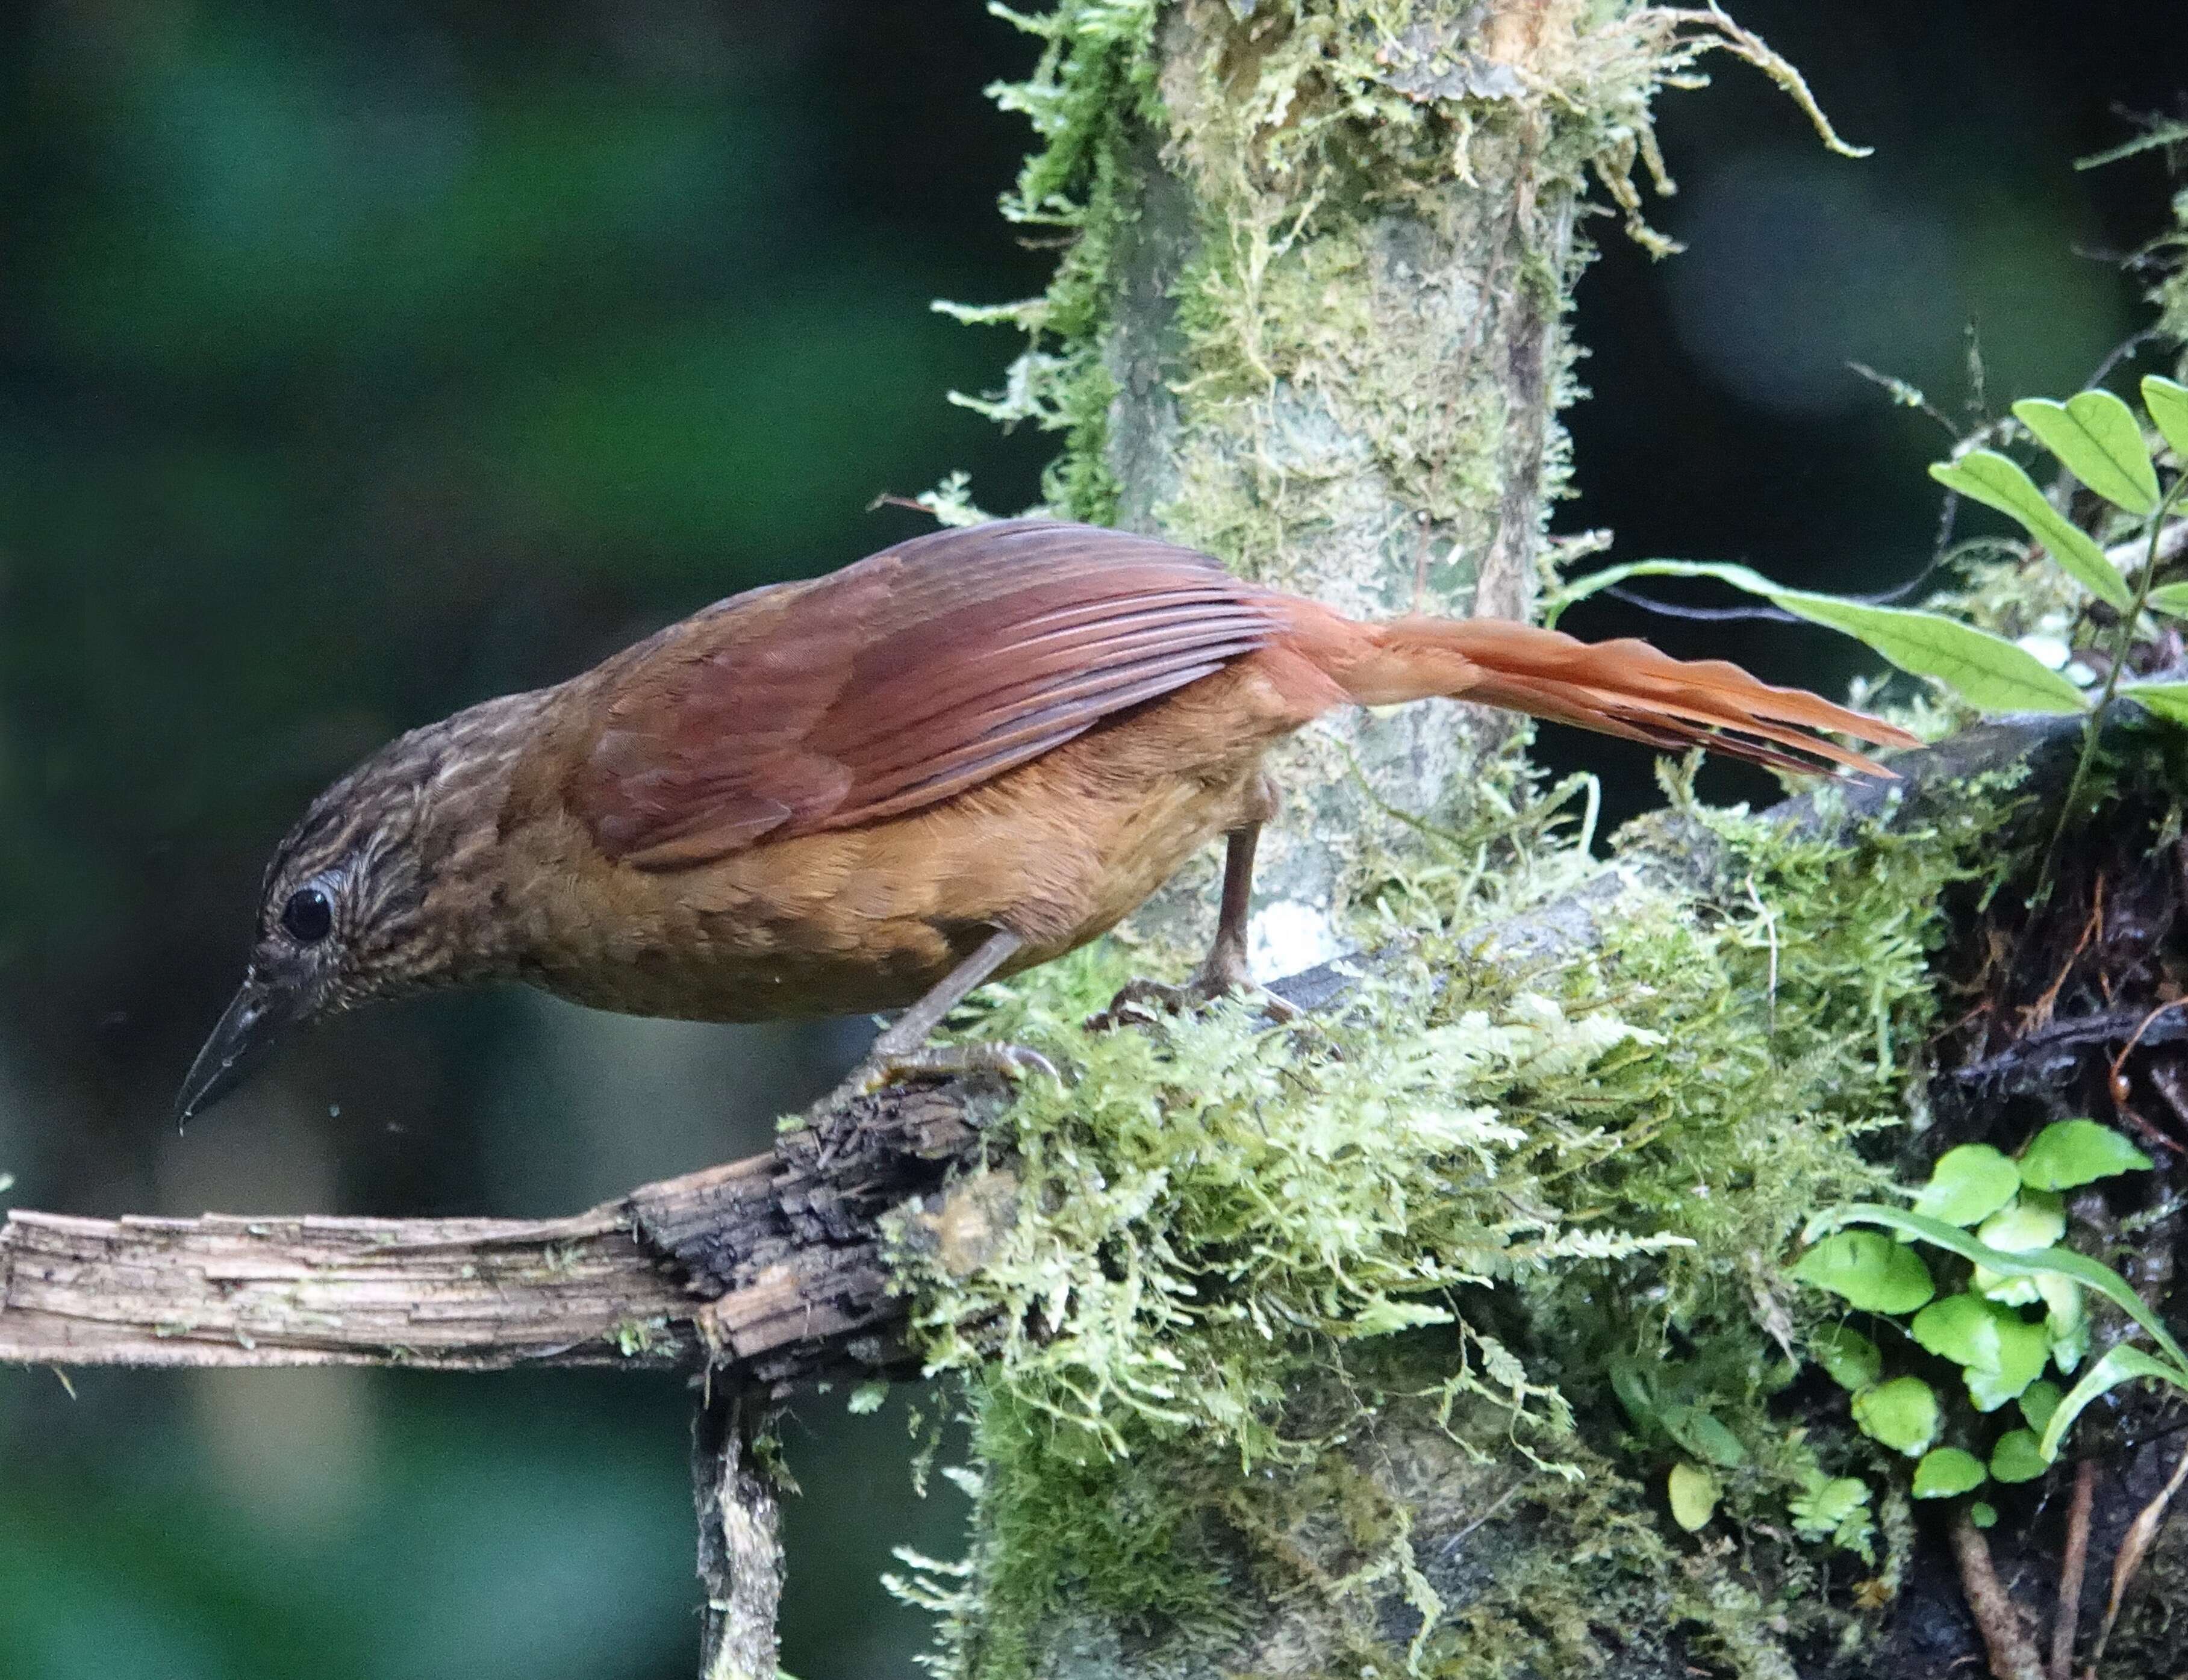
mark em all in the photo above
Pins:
pixel 1625 688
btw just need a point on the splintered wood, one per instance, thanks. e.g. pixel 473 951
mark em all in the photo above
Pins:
pixel 771 1264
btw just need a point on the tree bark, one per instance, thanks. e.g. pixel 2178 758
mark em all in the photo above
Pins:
pixel 1346 388
pixel 740 1564
pixel 770 1270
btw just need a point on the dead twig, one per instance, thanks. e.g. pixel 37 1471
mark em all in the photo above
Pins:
pixel 2134 1547
pixel 2071 1568
pixel 2012 1656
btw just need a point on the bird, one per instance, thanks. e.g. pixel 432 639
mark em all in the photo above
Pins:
pixel 874 790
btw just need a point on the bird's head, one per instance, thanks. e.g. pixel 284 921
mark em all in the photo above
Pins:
pixel 367 895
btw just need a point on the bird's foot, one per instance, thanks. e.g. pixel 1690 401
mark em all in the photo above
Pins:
pixel 1011 1061
pixel 1142 1001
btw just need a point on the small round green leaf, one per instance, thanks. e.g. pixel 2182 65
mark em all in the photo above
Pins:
pixel 1982 1514
pixel 1850 1358
pixel 1694 1492
pixel 1968 1184
pixel 2022 1348
pixel 2000 1351
pixel 2096 437
pixel 2070 1153
pixel 1901 1414
pixel 2012 1291
pixel 1946 1471
pixel 1868 1269
pixel 2034 1221
pixel 2038 1401
pixel 2046 1265
pixel 2016 1456
pixel 1963 1328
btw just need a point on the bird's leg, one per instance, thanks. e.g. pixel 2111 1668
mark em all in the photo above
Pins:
pixel 1223 970
pixel 903 1052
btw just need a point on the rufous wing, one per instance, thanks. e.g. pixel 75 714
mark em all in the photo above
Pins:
pixel 918 673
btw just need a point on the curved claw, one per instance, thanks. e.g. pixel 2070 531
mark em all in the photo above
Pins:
pixel 1143 1001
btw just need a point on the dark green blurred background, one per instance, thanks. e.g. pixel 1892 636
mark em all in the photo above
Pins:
pixel 357 362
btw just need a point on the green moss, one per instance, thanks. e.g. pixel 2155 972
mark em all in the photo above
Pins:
pixel 639 1338
pixel 1090 96
pixel 1687 1092
pixel 1206 1192
pixel 2171 295
pixel 1296 132
pixel 1472 1199
pixel 1129 1538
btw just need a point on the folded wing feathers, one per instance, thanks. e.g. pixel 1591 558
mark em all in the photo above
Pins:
pixel 944 662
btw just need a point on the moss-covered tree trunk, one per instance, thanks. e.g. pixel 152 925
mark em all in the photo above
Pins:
pixel 1311 321
pixel 1335 339
pixel 1311 318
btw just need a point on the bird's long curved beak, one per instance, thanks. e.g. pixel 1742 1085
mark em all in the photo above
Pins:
pixel 237 1045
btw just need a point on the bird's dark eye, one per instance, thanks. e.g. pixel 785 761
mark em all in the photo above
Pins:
pixel 307 915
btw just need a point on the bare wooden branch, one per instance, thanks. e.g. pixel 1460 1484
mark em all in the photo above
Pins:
pixel 461 1294
pixel 771 1264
